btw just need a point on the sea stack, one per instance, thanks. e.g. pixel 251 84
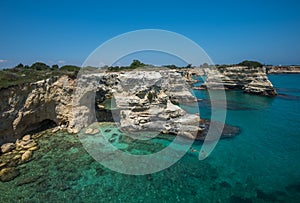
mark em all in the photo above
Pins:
pixel 251 80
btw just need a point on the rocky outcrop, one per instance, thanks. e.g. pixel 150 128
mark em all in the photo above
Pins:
pixel 19 153
pixel 250 80
pixel 145 101
pixel 28 107
pixel 283 69
pixel 7 147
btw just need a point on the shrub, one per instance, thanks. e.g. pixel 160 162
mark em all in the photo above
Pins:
pixel 70 68
pixel 253 64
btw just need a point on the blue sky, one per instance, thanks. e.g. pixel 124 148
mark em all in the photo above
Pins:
pixel 66 32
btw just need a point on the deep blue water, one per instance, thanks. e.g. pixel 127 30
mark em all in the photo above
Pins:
pixel 267 150
pixel 261 164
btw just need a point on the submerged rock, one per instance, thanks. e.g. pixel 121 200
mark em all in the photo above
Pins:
pixel 28 180
pixel 227 131
pixel 92 131
pixel 8 174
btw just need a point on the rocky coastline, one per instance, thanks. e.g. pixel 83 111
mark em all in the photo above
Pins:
pixel 29 107
pixel 251 80
pixel 67 104
pixel 283 69
pixel 47 103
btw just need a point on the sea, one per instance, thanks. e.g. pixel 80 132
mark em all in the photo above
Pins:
pixel 260 164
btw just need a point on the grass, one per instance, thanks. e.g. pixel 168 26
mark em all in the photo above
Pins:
pixel 18 76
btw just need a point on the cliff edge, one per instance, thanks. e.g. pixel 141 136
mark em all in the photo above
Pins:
pixel 248 79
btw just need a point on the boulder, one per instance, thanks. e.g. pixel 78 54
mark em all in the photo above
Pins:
pixel 8 174
pixel 21 144
pixel 92 131
pixel 26 156
pixel 26 138
pixel 33 148
pixel 89 131
pixel 30 145
pixel 16 157
pixel 7 147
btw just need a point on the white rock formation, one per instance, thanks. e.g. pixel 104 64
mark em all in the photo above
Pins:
pixel 250 80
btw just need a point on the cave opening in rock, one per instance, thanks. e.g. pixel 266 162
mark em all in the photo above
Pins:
pixel 105 107
pixel 41 126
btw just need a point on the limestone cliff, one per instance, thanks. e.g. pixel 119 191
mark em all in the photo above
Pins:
pixel 142 100
pixel 250 80
pixel 28 107
pixel 145 101
pixel 283 69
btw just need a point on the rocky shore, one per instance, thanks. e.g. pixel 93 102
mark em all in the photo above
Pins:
pixel 139 101
pixel 145 100
pixel 283 69
pixel 14 154
pixel 248 79
pixel 34 106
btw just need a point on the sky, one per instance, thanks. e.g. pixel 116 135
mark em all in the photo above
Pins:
pixel 67 32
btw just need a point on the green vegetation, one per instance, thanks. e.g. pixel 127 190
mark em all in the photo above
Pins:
pixel 134 65
pixel 37 71
pixel 70 68
pixel 137 64
pixel 250 64
pixel 177 67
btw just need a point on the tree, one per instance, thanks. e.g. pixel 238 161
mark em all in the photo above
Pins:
pixel 70 68
pixel 253 64
pixel 189 66
pixel 20 65
pixel 39 66
pixel 55 67
pixel 136 64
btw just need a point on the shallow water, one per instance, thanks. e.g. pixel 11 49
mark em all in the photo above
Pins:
pixel 259 165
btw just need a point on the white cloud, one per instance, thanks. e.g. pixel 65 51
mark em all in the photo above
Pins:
pixel 3 61
pixel 61 61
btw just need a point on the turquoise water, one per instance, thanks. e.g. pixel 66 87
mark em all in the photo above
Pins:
pixel 261 164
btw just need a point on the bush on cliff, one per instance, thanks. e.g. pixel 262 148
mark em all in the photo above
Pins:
pixel 250 64
pixel 21 74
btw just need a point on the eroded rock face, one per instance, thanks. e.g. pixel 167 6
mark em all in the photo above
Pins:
pixel 250 80
pixel 146 101
pixel 283 69
pixel 27 107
